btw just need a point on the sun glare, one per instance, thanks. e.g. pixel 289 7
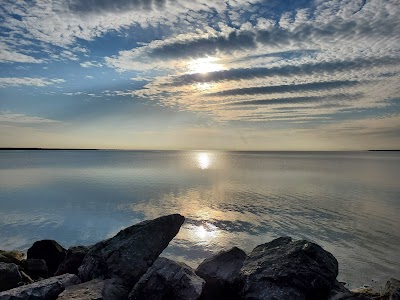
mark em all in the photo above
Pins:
pixel 204 160
pixel 204 65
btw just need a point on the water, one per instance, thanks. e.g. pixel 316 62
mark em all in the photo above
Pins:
pixel 349 203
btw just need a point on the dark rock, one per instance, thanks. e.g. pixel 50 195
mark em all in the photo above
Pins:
pixel 47 289
pixel 49 250
pixel 131 252
pixel 9 276
pixel 35 268
pixel 391 291
pixel 26 279
pixel 339 292
pixel 286 269
pixel 96 289
pixel 73 260
pixel 221 273
pixel 12 257
pixel 168 280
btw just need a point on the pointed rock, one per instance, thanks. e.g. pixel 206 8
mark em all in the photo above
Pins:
pixel 287 269
pixel 49 250
pixel 131 252
pixel 168 280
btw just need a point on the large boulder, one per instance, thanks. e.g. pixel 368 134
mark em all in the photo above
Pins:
pixel 47 289
pixel 131 252
pixel 221 273
pixel 49 250
pixel 73 259
pixel 12 257
pixel 287 269
pixel 35 268
pixel 9 276
pixel 96 289
pixel 168 280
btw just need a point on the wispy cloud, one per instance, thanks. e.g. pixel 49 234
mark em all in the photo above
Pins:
pixel 7 117
pixel 27 81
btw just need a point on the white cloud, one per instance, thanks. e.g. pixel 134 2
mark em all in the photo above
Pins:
pixel 28 81
pixel 90 64
pixel 7 117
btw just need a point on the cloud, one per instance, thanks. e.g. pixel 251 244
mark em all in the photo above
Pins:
pixel 28 81
pixel 6 117
pixel 292 88
pixel 90 64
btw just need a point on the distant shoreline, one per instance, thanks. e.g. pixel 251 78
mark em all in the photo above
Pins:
pixel 95 149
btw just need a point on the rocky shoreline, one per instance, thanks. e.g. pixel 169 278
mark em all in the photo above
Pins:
pixel 128 266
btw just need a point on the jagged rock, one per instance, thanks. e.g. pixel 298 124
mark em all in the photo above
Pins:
pixel 168 280
pixel 131 252
pixel 35 268
pixel 9 276
pixel 391 291
pixel 47 289
pixel 221 273
pixel 73 259
pixel 49 250
pixel 96 289
pixel 287 269
pixel 12 257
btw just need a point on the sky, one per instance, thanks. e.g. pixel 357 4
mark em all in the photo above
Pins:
pixel 217 75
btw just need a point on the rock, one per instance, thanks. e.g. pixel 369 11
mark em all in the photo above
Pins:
pixel 35 268
pixel 90 290
pixel 221 273
pixel 339 292
pixel 391 291
pixel 49 250
pixel 73 259
pixel 9 276
pixel 286 269
pixel 47 289
pixel 12 257
pixel 168 280
pixel 131 252
pixel 26 279
pixel 96 289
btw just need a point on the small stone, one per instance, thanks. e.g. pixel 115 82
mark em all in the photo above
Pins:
pixel 73 260
pixel 35 268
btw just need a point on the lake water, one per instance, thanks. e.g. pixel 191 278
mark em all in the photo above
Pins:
pixel 348 202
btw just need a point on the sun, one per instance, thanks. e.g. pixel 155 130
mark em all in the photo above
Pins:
pixel 204 65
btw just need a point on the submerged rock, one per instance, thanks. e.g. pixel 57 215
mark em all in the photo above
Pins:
pixel 73 259
pixel 287 269
pixel 47 289
pixel 12 257
pixel 9 276
pixel 131 252
pixel 49 250
pixel 221 273
pixel 168 280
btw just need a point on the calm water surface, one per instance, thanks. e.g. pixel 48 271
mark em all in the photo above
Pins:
pixel 347 202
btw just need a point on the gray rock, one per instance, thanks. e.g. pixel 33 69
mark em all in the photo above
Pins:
pixel 49 250
pixel 9 276
pixel 391 291
pixel 168 280
pixel 73 260
pixel 131 252
pixel 96 289
pixel 339 292
pixel 47 289
pixel 35 268
pixel 287 269
pixel 221 273
pixel 12 257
